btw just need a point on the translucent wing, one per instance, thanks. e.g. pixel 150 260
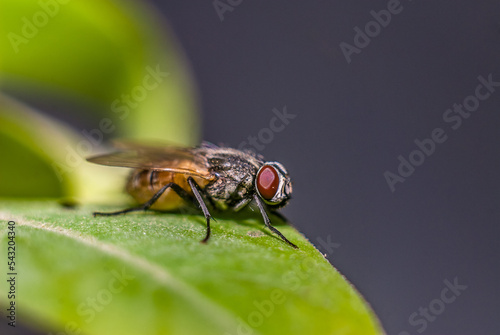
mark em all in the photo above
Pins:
pixel 174 159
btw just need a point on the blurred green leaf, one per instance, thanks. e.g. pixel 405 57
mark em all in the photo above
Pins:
pixel 38 159
pixel 116 56
pixel 147 273
pixel 100 53
pixel 29 144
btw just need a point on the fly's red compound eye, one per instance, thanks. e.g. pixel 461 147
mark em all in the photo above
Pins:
pixel 268 182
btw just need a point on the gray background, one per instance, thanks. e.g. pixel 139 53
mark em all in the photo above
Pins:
pixel 352 122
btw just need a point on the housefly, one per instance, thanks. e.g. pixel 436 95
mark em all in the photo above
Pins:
pixel 210 176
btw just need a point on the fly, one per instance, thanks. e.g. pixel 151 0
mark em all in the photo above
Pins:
pixel 168 178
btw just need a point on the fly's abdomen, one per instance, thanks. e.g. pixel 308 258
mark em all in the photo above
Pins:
pixel 144 184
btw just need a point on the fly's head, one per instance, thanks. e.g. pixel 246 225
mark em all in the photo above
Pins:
pixel 273 184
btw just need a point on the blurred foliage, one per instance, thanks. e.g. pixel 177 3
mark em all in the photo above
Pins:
pixel 40 159
pixel 114 58
pixel 28 171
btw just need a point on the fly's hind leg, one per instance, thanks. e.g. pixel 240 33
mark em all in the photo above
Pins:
pixel 177 189
pixel 181 192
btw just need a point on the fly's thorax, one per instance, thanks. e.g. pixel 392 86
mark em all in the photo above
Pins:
pixel 233 187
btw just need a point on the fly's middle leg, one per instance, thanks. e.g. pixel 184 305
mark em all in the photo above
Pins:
pixel 197 193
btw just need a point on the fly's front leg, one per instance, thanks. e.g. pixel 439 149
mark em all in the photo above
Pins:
pixel 268 222
pixel 196 191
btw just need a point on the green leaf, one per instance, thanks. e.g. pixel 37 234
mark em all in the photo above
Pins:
pixel 147 273
pixel 38 163
pixel 93 53
pixel 100 55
